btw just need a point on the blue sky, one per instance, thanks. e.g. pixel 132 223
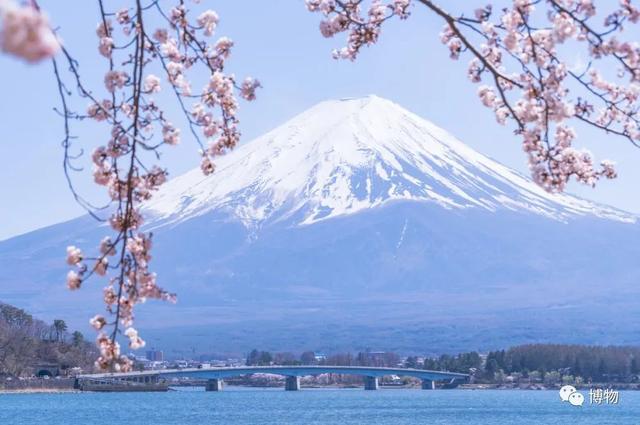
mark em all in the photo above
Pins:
pixel 278 42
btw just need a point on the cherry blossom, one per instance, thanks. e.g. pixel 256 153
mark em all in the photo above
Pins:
pixel 249 87
pixel 98 322
pixel 105 46
pixel 115 80
pixel 516 53
pixel 25 32
pixel 135 342
pixel 74 280
pixel 208 20
pixel 136 123
pixel 74 256
pixel 152 84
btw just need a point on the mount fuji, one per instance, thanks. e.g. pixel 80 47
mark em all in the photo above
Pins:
pixel 359 224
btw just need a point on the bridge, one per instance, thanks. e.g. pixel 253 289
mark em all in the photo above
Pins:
pixel 215 376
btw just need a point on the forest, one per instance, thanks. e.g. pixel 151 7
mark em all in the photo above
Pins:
pixel 26 342
pixel 536 363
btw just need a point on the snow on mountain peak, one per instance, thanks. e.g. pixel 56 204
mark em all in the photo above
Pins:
pixel 344 156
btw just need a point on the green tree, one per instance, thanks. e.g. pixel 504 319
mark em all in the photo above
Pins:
pixel 602 369
pixel 552 378
pixel 265 358
pixel 59 327
pixel 77 339
pixel 253 357
pixel 535 376
pixel 308 358
pixel 411 362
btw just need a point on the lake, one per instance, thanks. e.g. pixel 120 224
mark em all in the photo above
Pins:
pixel 313 406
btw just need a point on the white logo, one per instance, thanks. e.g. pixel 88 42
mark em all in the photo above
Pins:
pixel 566 391
pixel 570 394
pixel 576 399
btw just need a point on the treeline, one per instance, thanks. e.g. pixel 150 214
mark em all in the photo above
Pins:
pixel 543 363
pixel 463 363
pixel 26 342
pixel 592 363
pixel 364 358
pixel 535 363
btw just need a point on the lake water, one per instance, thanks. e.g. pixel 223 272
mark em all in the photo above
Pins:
pixel 313 406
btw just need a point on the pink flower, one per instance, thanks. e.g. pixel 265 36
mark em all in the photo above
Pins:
pixel 170 134
pixel 487 96
pixel 176 76
pixel 207 166
pixel 106 246
pixel 135 341
pixel 133 219
pixel 97 322
pixel 104 30
pixel 208 20
pixel 152 84
pixel 161 35
pixel 586 7
pixel 26 34
pixel 109 296
pixel 115 79
pixel 177 16
pixel 170 49
pixel 608 169
pixel 401 8
pixel 99 112
pixel 105 46
pixel 564 27
pixel 101 267
pixel 74 280
pixel 139 246
pixel 103 174
pixel 122 16
pixel 74 255
pixel 248 89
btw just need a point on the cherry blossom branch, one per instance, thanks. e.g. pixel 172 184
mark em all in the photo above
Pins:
pixel 137 128
pixel 537 96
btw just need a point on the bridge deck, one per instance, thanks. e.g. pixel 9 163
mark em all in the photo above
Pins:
pixel 226 372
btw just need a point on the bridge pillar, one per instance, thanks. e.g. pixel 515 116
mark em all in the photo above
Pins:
pixel 214 384
pixel 428 384
pixel 292 383
pixel 370 383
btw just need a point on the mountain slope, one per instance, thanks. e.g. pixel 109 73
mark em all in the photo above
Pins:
pixel 359 224
pixel 345 156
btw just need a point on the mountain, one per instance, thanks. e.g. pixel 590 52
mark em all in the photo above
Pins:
pixel 359 224
pixel 347 156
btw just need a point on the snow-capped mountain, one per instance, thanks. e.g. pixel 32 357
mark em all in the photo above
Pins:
pixel 341 157
pixel 359 224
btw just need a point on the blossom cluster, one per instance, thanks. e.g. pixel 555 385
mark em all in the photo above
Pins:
pixel 516 54
pixel 349 16
pixel 25 32
pixel 137 124
pixel 537 97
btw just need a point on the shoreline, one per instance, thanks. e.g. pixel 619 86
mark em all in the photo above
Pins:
pixel 382 388
pixel 38 391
